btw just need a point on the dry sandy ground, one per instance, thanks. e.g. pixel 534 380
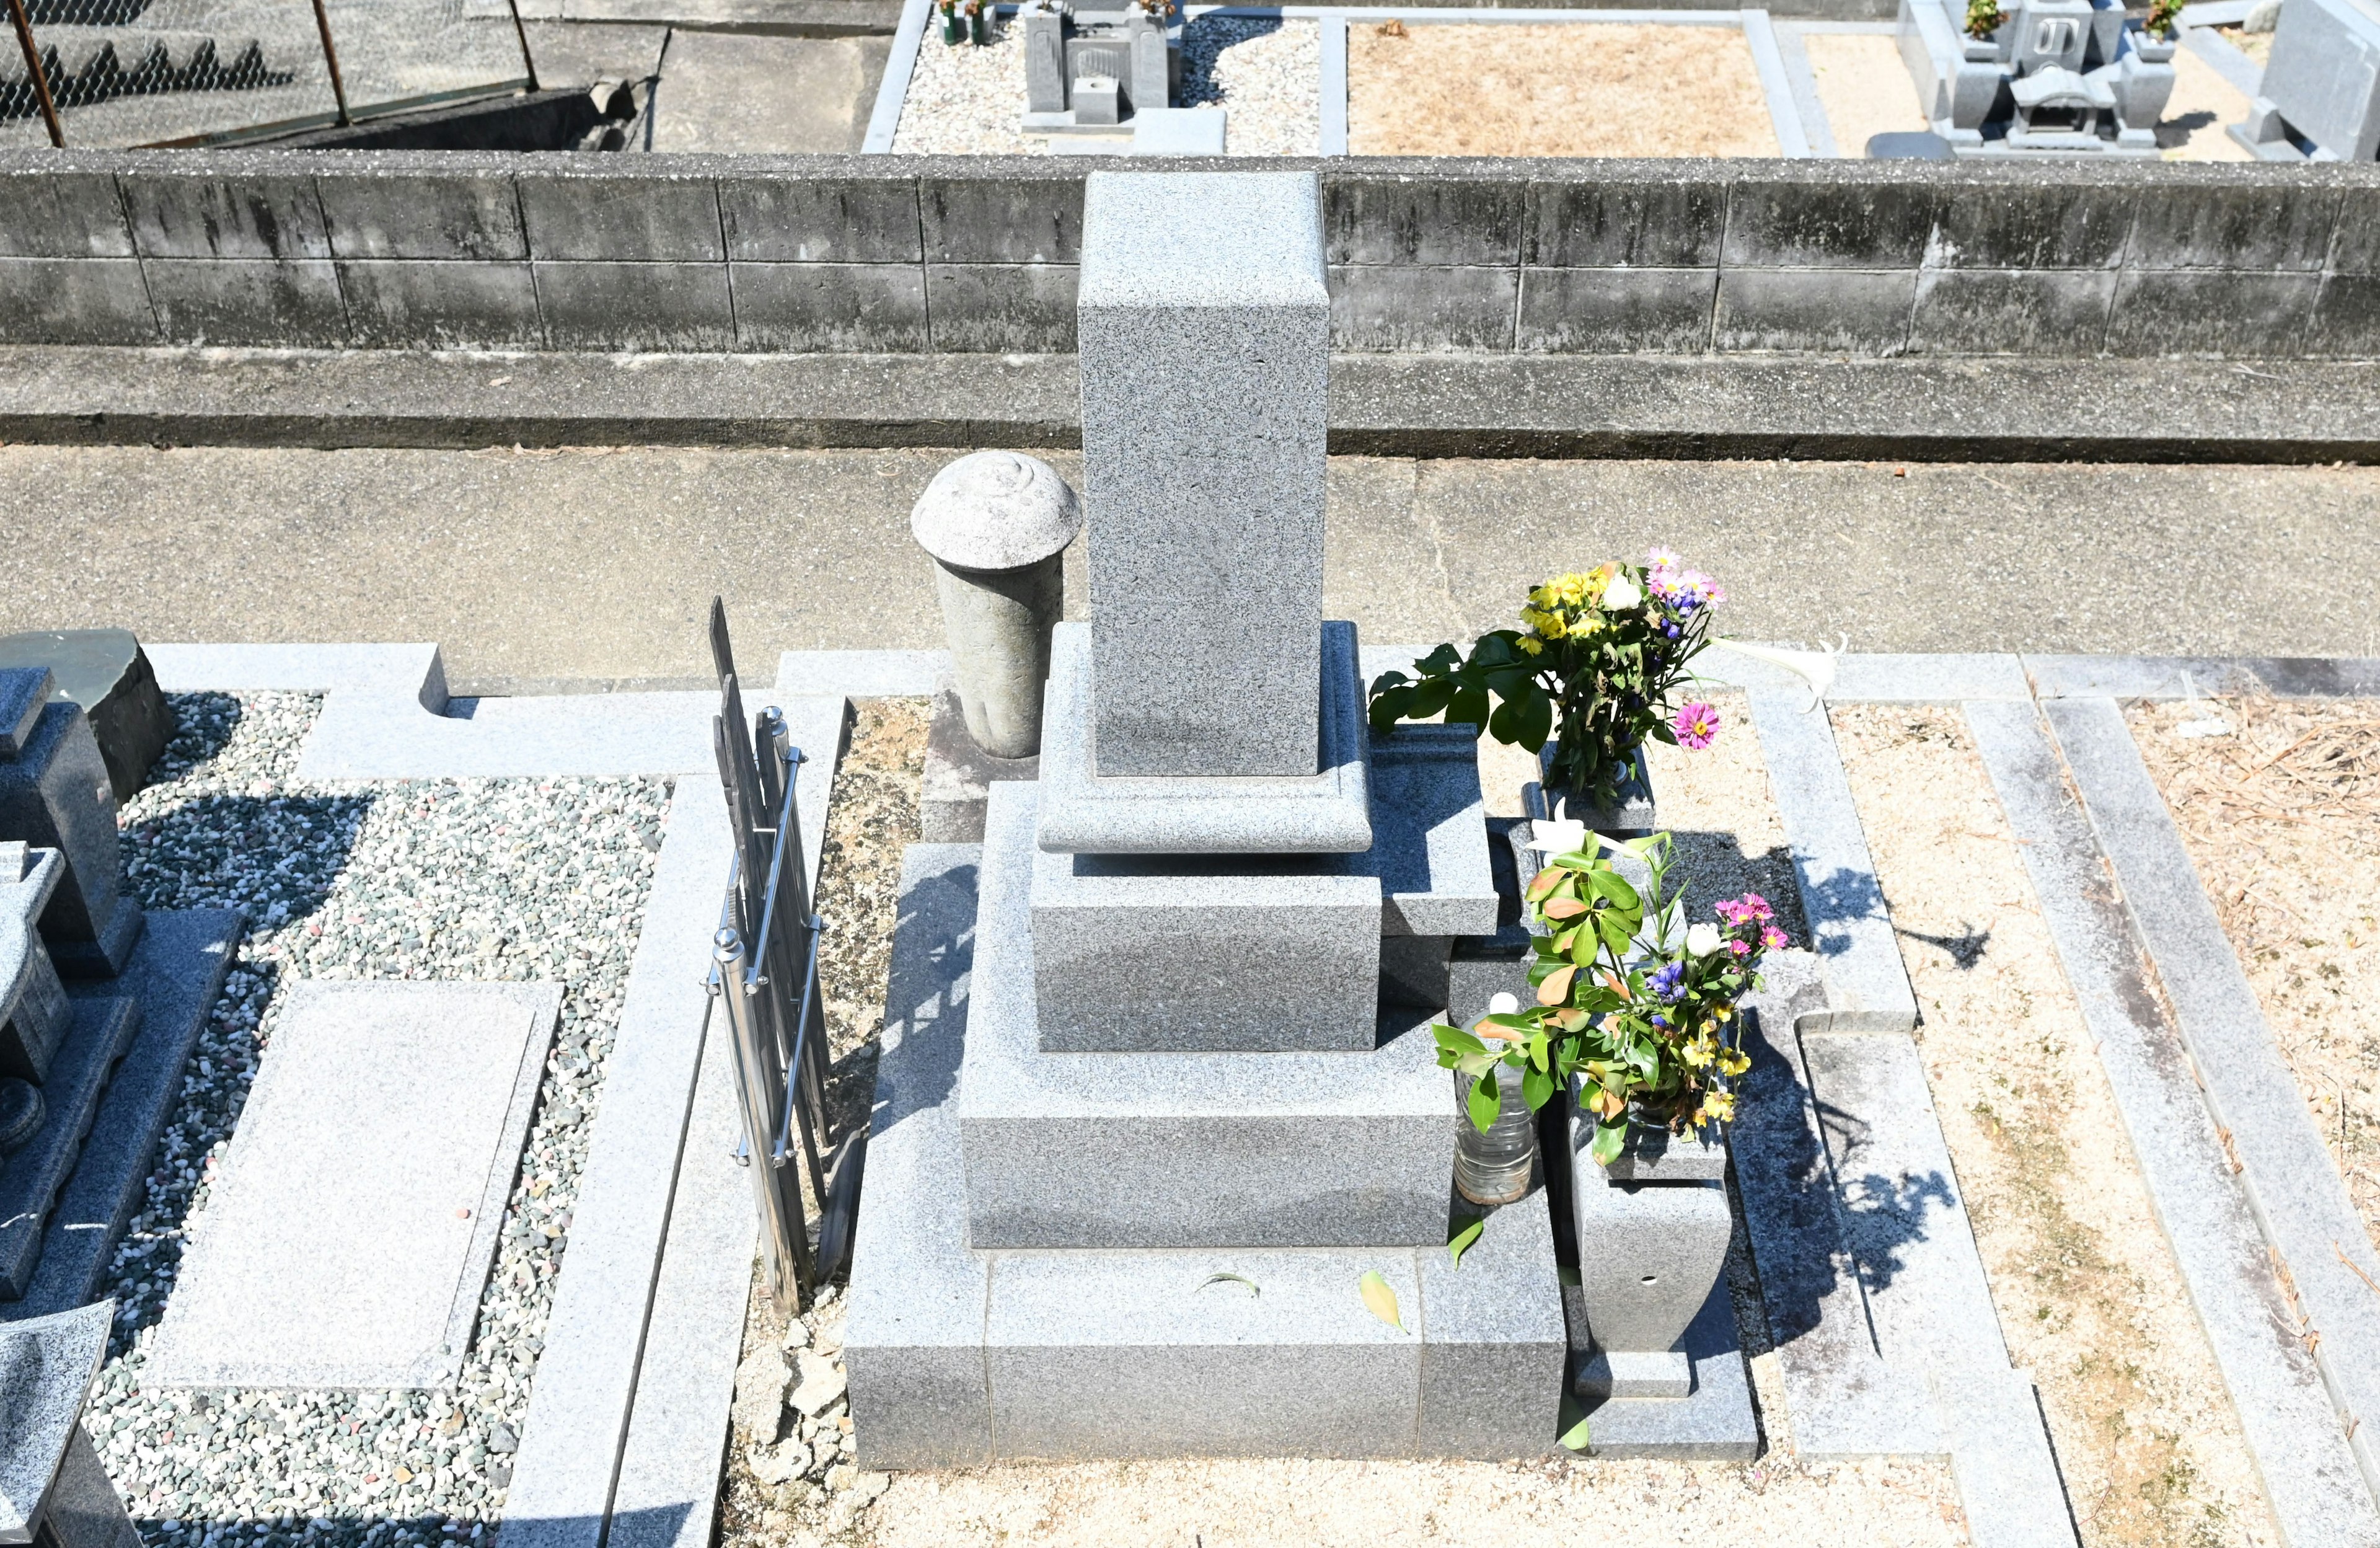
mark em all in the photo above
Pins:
pixel 2202 106
pixel 2089 1296
pixel 1864 88
pixel 2281 816
pixel 1592 89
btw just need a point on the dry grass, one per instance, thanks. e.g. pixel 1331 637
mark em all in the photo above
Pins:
pixel 2088 1293
pixel 2282 819
pixel 1587 89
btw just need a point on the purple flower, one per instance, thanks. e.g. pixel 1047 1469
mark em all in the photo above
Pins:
pixel 1665 982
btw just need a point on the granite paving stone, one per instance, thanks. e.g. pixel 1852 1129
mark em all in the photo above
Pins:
pixel 356 1217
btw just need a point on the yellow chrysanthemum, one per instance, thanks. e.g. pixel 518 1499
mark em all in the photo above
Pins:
pixel 1734 1061
pixel 1717 1107
pixel 1530 645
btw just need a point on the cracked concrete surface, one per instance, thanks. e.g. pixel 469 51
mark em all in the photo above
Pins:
pixel 547 569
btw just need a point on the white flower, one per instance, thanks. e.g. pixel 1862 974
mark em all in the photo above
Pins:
pixel 1622 592
pixel 1702 939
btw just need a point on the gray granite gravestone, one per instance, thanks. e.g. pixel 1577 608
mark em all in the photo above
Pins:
pixel 55 793
pixel 2319 95
pixel 106 672
pixel 52 1490
pixel 1090 63
pixel 2057 76
pixel 1204 342
pixel 1145 1037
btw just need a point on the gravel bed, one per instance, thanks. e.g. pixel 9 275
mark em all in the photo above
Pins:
pixel 513 879
pixel 1266 74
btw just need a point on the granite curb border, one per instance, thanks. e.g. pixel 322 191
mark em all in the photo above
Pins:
pixel 2308 1473
pixel 2322 1253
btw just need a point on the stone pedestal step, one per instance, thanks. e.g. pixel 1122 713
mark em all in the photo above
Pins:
pixel 32 1176
pixel 175 972
pixel 1181 1148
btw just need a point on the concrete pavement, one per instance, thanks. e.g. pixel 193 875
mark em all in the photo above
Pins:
pixel 543 569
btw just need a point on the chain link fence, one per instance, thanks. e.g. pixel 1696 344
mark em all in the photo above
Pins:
pixel 118 73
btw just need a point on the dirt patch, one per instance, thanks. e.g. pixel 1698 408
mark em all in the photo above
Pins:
pixel 2280 812
pixel 1864 88
pixel 2088 1293
pixel 2257 46
pixel 1591 89
pixel 2202 105
pixel 872 820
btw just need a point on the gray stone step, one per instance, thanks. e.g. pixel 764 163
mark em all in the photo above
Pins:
pixel 177 972
pixel 32 1176
pixel 961 1357
pixel 1182 1150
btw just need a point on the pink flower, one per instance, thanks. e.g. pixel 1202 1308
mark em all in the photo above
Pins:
pixel 1773 938
pixel 1756 906
pixel 1740 948
pixel 1696 724
pixel 1663 558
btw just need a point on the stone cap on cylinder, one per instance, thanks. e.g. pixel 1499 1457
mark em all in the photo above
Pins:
pixel 996 511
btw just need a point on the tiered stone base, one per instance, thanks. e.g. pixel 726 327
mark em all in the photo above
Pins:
pixel 960 1355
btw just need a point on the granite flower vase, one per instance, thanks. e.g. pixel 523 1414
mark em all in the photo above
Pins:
pixel 1659 1218
pixel 1630 815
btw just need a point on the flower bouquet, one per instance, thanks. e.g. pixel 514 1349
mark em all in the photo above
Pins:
pixel 1636 1006
pixel 1595 667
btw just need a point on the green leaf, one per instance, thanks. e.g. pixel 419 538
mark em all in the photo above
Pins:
pixel 1426 699
pixel 1443 659
pixel 1464 1238
pixel 1612 884
pixel 1535 721
pixel 1455 1040
pixel 1485 1099
pixel 1536 1088
pixel 1380 1300
pixel 1233 1279
pixel 1605 1147
pixel 1468 707
pixel 1575 1438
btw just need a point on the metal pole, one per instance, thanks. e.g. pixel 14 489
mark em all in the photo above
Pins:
pixel 528 63
pixel 33 68
pixel 785 1243
pixel 331 57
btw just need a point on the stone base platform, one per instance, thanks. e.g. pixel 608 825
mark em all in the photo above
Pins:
pixel 1169 1149
pixel 1714 1423
pixel 960 1356
pixel 177 970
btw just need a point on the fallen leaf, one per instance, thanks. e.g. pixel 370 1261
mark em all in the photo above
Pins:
pixel 1464 1238
pixel 1233 1279
pixel 1575 1438
pixel 1380 1299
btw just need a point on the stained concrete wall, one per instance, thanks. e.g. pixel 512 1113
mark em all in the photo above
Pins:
pixel 911 255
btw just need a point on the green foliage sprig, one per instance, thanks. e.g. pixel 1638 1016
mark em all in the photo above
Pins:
pixel 1638 1006
pixel 1595 667
pixel 1984 17
pixel 2164 19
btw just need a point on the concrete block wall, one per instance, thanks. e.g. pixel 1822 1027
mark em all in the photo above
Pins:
pixel 977 255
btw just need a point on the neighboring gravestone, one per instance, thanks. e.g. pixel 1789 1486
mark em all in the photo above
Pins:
pixel 1205 328
pixel 349 1231
pixel 55 794
pixel 105 671
pixel 53 1489
pixel 2056 77
pixel 2320 86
